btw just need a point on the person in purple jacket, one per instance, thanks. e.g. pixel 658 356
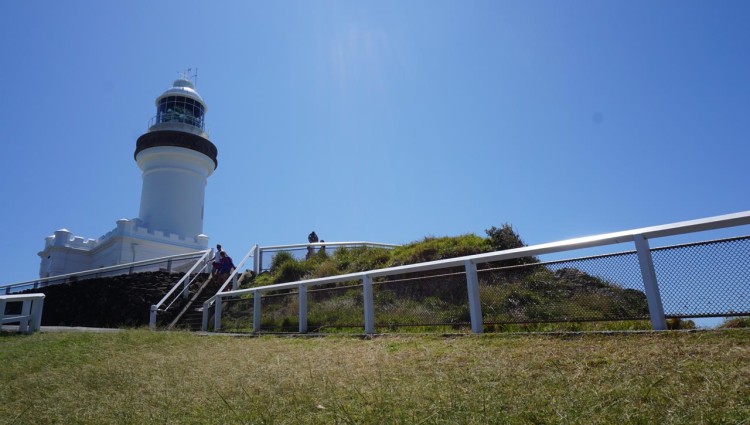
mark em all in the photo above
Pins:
pixel 224 266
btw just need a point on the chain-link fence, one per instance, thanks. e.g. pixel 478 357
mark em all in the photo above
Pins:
pixel 706 279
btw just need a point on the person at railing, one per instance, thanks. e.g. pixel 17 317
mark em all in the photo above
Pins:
pixel 224 266
pixel 217 258
pixel 311 238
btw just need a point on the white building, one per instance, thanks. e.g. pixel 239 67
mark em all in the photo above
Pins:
pixel 176 158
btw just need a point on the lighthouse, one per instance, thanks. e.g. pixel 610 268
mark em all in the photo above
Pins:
pixel 176 157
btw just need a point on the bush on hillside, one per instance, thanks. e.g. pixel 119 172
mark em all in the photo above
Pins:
pixel 503 238
pixel 432 248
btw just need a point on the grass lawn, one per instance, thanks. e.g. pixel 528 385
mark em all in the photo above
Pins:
pixel 138 376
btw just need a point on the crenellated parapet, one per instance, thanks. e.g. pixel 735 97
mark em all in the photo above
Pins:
pixel 125 228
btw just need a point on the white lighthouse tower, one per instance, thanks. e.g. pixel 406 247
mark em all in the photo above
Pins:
pixel 176 158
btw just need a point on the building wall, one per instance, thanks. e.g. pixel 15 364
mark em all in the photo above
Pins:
pixel 128 242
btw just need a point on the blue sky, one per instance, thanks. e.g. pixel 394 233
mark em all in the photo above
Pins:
pixel 382 121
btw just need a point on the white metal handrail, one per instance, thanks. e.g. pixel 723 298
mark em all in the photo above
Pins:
pixel 303 245
pixel 256 253
pixel 638 236
pixel 185 282
pixel 63 277
pixel 237 267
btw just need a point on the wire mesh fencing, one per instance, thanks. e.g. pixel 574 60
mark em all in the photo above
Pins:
pixel 605 287
pixel 421 299
pixel 705 279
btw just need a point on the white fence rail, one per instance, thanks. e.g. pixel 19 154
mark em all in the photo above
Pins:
pixel 639 237
pixel 201 266
pixel 256 254
pixel 30 317
pixel 161 263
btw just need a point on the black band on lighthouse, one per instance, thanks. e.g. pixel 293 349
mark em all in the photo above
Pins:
pixel 177 138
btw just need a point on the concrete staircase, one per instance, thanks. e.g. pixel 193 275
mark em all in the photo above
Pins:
pixel 191 316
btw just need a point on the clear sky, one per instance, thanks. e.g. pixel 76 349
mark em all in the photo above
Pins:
pixel 384 121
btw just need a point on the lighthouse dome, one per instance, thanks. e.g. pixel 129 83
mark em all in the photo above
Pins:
pixel 182 87
pixel 180 108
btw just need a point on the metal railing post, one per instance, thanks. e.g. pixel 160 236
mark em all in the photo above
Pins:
pixel 217 313
pixel 368 305
pixel 256 311
pixel 302 309
pixel 646 262
pixel 475 304
pixel 256 260
pixel 169 266
pixel 235 283
pixel 204 321
pixel 152 318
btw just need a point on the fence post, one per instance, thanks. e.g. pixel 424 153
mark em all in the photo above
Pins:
pixel 169 266
pixel 368 304
pixel 152 318
pixel 475 304
pixel 204 322
pixel 256 311
pixel 235 283
pixel 655 307
pixel 217 313
pixel 260 260
pixel 302 309
pixel 256 259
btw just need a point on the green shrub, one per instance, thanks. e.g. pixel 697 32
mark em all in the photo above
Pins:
pixel 279 259
pixel 432 248
pixel 291 271
pixel 735 322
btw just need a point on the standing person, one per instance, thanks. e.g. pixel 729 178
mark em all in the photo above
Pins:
pixel 311 238
pixel 217 257
pixel 224 266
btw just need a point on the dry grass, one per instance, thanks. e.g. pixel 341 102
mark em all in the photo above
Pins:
pixel 172 377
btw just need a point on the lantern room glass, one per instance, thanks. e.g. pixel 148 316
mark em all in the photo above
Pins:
pixel 180 109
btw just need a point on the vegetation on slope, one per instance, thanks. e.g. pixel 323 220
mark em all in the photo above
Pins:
pixel 286 268
pixel 513 291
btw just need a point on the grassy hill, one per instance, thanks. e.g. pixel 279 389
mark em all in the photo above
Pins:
pixel 177 377
pixel 519 291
